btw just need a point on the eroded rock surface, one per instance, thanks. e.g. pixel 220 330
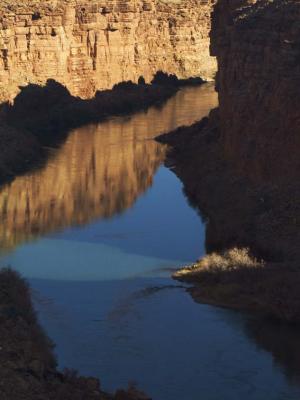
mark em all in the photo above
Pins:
pixel 241 166
pixel 257 44
pixel 92 45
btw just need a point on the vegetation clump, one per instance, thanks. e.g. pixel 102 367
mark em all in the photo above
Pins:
pixel 238 280
pixel 231 260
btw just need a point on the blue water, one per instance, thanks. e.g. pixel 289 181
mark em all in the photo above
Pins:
pixel 144 239
pixel 99 263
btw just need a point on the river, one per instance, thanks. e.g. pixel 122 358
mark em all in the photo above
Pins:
pixel 98 231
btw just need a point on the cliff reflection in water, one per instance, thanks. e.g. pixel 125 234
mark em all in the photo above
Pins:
pixel 95 174
pixel 282 341
pixel 99 172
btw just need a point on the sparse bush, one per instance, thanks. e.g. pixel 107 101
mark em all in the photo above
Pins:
pixel 238 280
pixel 233 259
pixel 141 81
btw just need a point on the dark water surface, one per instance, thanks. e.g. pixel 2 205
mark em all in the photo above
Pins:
pixel 97 232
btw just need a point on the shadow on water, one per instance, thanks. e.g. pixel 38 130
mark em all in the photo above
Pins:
pixel 99 172
pixel 42 116
pixel 278 339
pixel 281 341
pixel 151 330
pixel 50 111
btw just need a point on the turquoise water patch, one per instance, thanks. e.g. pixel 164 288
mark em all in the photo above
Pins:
pixel 70 260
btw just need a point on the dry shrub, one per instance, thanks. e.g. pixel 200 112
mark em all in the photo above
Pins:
pixel 230 260
pixel 238 280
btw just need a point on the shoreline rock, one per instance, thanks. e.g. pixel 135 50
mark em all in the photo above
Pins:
pixel 241 166
pixel 238 214
pixel 27 365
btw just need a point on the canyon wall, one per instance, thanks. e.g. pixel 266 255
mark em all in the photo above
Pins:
pixel 257 44
pixel 92 45
pixel 241 166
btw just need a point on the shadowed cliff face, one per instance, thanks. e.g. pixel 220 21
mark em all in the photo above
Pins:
pixel 89 46
pixel 242 169
pixel 258 51
pixel 241 166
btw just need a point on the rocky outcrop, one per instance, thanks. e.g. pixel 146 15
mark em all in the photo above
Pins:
pixel 258 50
pixel 28 367
pixel 241 166
pixel 92 45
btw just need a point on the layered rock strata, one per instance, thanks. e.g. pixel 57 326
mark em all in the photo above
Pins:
pixel 258 51
pixel 92 45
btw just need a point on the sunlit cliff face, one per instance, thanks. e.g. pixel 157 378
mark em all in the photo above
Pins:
pixel 92 45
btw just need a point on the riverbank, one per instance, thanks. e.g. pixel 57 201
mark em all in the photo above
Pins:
pixel 28 366
pixel 42 116
pixel 239 213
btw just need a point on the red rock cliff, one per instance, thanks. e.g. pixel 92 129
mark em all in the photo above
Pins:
pixel 91 45
pixel 242 166
pixel 257 44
